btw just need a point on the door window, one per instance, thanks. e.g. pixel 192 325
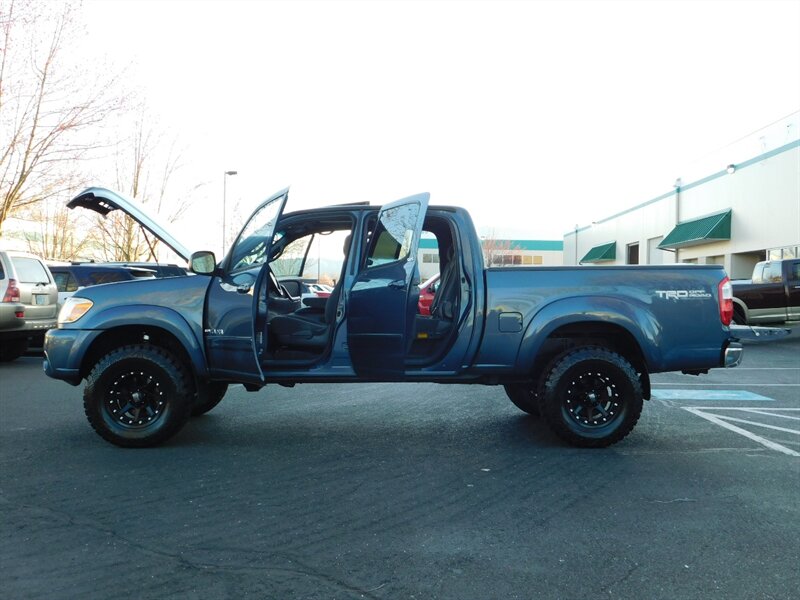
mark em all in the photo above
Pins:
pixel 393 235
pixel 772 272
pixel 291 261
pixel 251 248
pixel 794 272
pixel 97 277
pixel 65 282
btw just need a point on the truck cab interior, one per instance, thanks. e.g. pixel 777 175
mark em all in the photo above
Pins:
pixel 299 334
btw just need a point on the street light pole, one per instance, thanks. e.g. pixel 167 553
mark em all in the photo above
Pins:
pixel 224 209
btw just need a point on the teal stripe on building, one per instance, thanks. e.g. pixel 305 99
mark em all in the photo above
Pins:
pixel 524 245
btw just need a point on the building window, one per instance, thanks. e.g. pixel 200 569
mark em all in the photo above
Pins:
pixel 430 258
pixel 781 253
pixel 537 260
pixel 633 254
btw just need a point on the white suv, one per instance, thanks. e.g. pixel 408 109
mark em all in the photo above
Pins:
pixel 28 302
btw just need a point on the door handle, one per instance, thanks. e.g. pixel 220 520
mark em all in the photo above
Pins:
pixel 398 284
pixel 243 289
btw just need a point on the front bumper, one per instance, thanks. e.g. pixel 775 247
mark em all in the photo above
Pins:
pixel 63 351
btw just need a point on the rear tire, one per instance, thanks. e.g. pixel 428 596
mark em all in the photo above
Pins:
pixel 208 396
pixel 592 397
pixel 524 397
pixel 138 396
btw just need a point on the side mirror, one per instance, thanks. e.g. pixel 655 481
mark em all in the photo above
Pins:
pixel 203 262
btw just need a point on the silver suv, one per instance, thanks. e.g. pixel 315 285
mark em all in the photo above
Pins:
pixel 29 305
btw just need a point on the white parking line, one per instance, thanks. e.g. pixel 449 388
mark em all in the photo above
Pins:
pixel 705 395
pixel 704 412
pixel 770 414
pixel 731 383
pixel 757 424
pixel 768 368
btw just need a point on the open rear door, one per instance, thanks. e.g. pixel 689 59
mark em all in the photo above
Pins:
pixel 380 312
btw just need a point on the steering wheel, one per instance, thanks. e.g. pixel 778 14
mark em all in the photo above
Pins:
pixel 275 285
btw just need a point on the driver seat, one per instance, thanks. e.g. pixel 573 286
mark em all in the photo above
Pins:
pixel 304 329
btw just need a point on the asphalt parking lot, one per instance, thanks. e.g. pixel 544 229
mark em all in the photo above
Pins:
pixel 408 491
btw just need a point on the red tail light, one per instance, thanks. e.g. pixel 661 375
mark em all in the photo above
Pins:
pixel 725 292
pixel 12 293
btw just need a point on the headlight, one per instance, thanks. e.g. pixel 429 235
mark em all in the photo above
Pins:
pixel 73 309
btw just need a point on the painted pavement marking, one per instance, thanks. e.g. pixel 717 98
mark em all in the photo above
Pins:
pixel 730 384
pixel 727 395
pixel 705 412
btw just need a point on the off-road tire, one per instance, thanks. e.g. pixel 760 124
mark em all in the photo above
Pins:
pixel 208 396
pixel 138 396
pixel 13 349
pixel 592 397
pixel 524 396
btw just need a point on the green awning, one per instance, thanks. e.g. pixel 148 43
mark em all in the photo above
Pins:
pixel 714 228
pixel 601 253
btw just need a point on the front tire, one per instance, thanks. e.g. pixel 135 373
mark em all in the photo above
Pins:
pixel 592 397
pixel 138 396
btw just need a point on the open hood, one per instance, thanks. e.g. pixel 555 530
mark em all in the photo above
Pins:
pixel 103 201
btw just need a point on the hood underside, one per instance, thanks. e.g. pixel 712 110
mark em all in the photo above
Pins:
pixel 104 201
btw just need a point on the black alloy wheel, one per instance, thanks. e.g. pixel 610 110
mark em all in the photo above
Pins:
pixel 592 397
pixel 137 396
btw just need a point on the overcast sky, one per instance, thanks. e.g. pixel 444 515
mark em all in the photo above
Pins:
pixel 536 116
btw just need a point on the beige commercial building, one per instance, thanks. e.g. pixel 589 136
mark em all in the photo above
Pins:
pixel 748 210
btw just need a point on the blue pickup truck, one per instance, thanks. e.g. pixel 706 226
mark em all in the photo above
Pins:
pixel 574 346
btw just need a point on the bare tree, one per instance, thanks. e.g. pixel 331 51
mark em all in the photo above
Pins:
pixel 47 106
pixel 145 165
pixel 60 234
pixel 494 249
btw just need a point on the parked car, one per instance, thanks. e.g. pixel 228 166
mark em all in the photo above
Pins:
pixel 71 278
pixel 29 303
pixel 771 296
pixel 320 290
pixel 427 291
pixel 159 269
pixel 302 288
pixel 574 345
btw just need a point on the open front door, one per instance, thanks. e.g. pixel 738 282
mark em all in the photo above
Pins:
pixel 233 342
pixel 380 310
